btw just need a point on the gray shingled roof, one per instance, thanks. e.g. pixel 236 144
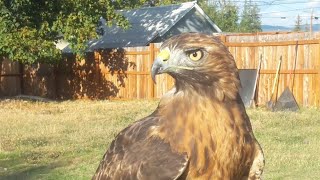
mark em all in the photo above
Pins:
pixel 147 23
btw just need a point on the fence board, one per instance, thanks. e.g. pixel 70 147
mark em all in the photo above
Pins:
pixel 125 73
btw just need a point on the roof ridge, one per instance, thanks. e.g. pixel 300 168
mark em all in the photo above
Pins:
pixel 169 27
pixel 142 8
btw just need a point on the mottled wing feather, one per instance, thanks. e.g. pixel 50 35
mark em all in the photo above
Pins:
pixel 136 155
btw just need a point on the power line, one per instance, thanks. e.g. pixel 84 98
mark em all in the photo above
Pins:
pixel 301 9
pixel 286 17
pixel 266 3
pixel 288 5
pixel 278 2
pixel 258 14
pixel 290 10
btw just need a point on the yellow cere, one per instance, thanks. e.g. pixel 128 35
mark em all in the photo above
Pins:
pixel 164 54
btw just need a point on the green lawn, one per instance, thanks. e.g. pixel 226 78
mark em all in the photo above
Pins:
pixel 66 140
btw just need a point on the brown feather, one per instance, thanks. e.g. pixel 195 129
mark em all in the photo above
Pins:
pixel 136 155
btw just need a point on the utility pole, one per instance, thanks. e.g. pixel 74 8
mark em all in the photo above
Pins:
pixel 311 24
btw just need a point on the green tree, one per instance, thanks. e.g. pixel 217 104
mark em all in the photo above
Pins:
pixel 298 24
pixel 29 29
pixel 223 13
pixel 227 18
pixel 250 20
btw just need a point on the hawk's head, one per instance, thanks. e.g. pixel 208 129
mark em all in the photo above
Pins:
pixel 200 62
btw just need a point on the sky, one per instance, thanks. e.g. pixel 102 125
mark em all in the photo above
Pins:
pixel 285 12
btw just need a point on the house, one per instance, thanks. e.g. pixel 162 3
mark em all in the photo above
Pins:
pixel 155 24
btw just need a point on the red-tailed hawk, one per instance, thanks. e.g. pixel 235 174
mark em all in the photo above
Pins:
pixel 200 130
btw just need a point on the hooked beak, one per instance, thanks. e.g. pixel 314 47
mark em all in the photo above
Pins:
pixel 160 64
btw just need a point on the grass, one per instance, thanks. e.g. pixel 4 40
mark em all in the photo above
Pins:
pixel 66 140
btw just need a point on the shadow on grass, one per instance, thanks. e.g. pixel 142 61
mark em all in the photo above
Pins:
pixel 28 173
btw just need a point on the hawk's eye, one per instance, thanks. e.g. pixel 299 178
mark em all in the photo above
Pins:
pixel 195 55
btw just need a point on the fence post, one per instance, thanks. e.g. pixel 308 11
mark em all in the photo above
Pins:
pixel 21 72
pixel 55 80
pixel 152 56
pixel 96 56
pixel 318 77
pixel 223 38
pixel 1 59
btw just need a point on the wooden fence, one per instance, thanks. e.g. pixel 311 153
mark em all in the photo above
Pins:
pixel 125 73
pixel 300 67
pixel 105 74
